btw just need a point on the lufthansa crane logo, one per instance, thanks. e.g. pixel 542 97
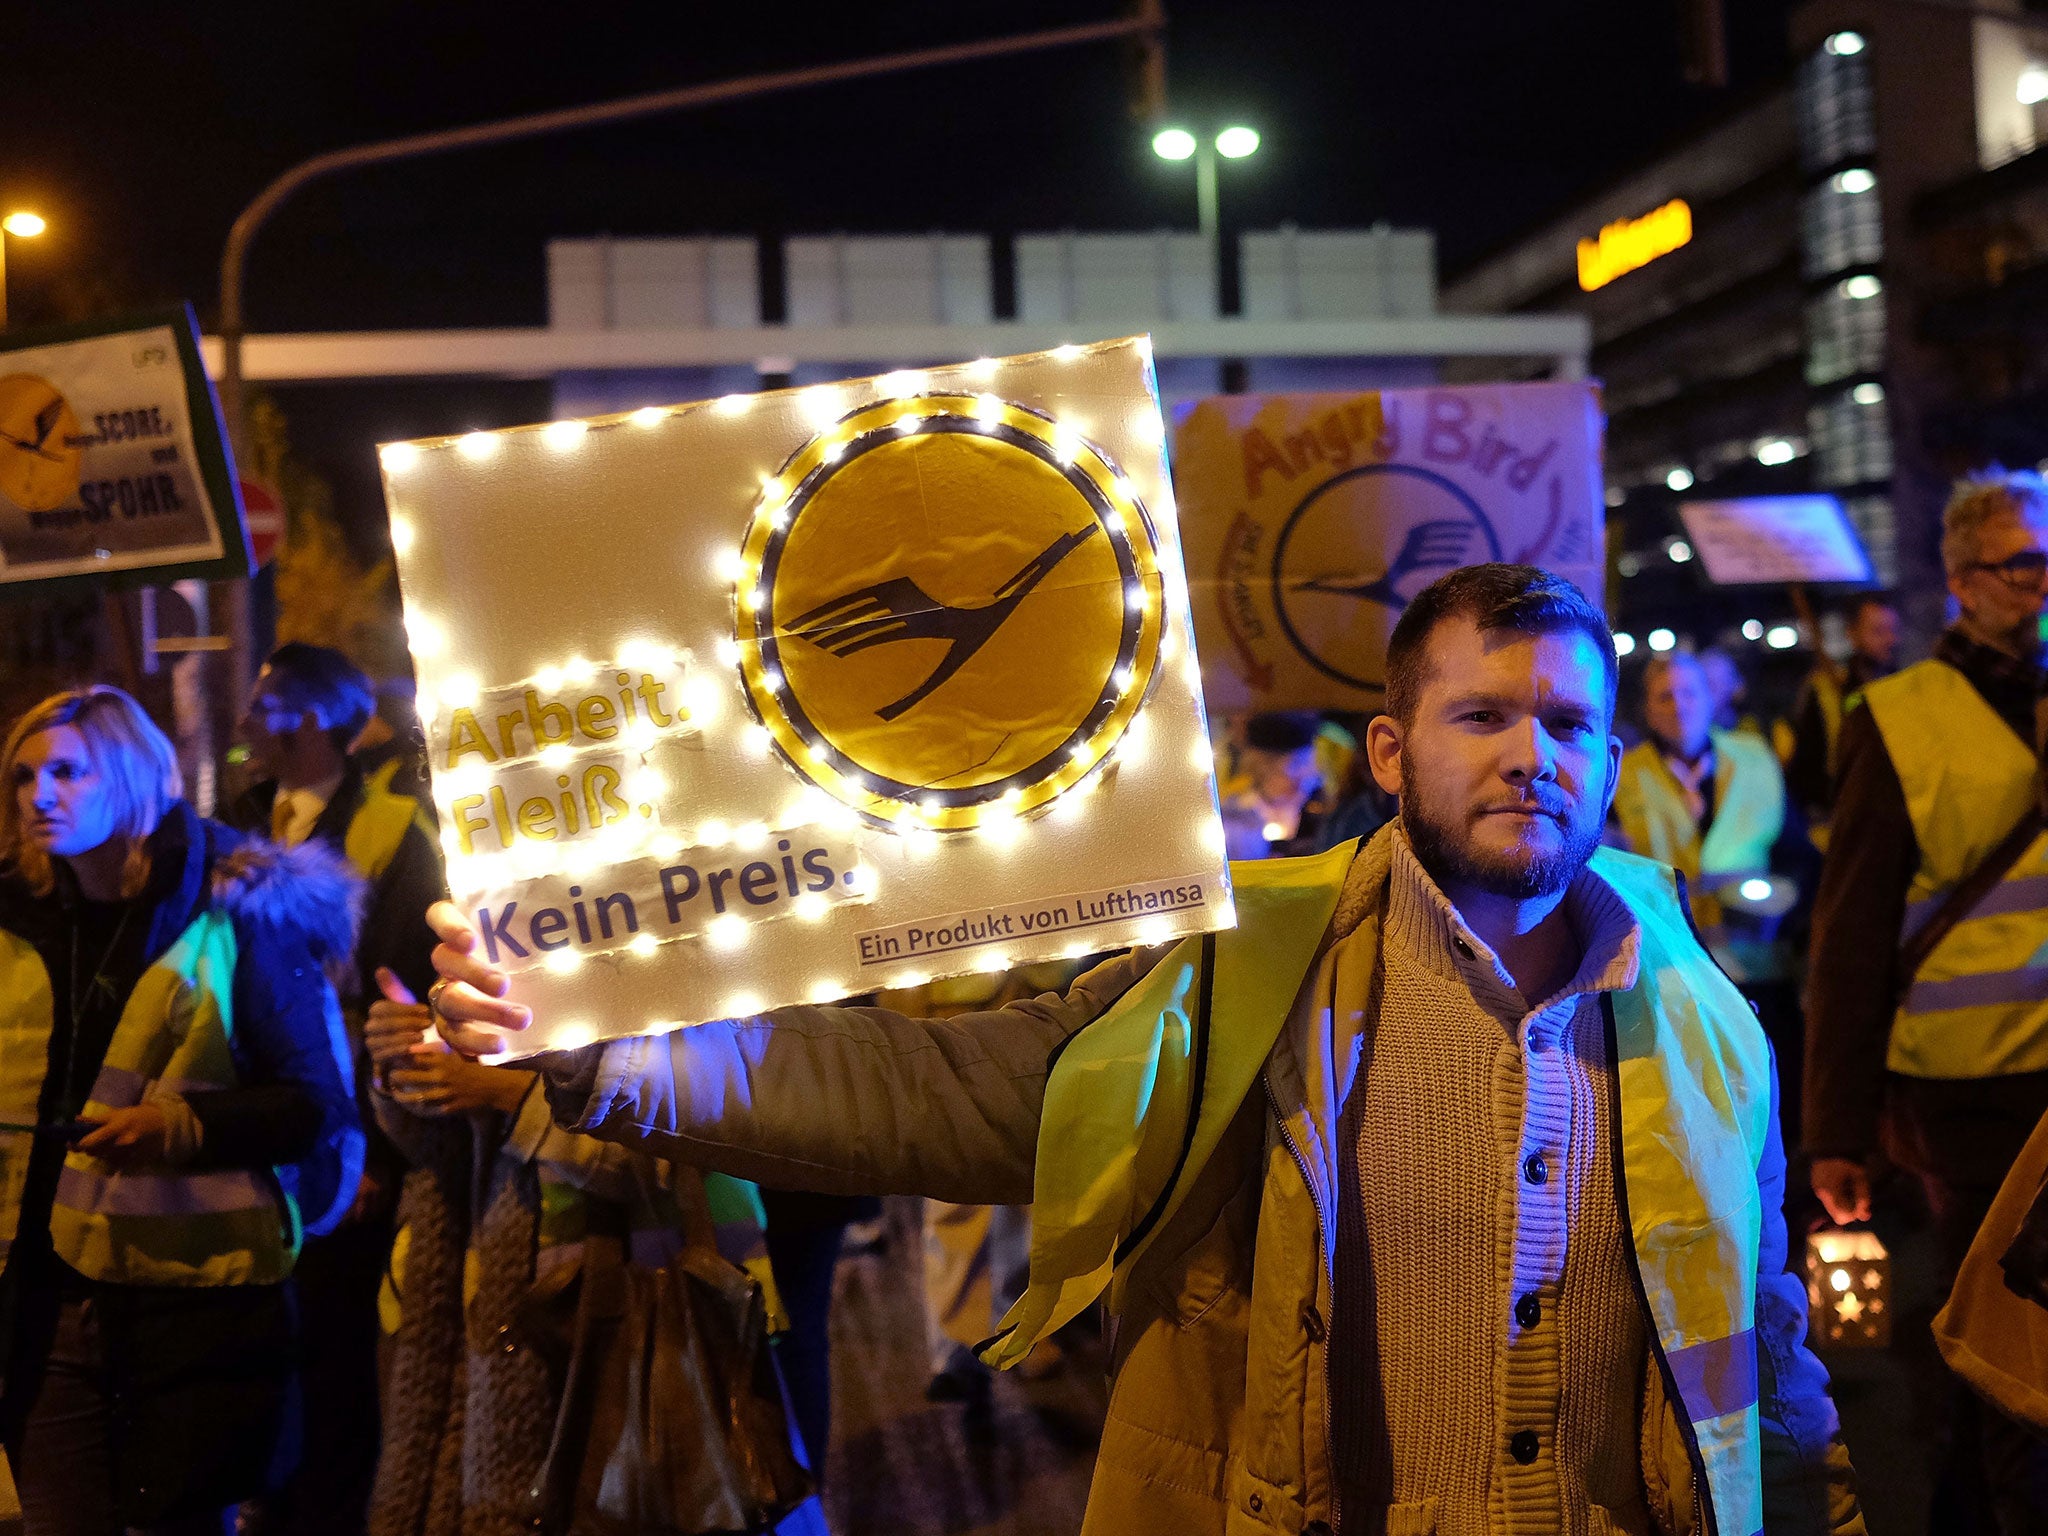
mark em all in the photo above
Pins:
pixel 1355 552
pixel 39 456
pixel 950 606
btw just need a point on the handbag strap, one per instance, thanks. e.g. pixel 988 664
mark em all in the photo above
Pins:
pixel 1963 897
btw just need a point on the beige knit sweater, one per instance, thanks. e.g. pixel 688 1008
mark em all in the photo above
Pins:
pixel 1490 1344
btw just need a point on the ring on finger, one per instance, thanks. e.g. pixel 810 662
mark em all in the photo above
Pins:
pixel 434 998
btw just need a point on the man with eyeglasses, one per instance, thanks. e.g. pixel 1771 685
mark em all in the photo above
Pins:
pixel 1943 1039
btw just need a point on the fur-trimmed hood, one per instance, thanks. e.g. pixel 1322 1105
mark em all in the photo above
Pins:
pixel 309 890
pixel 308 894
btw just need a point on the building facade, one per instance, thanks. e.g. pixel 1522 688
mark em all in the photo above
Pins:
pixel 1856 304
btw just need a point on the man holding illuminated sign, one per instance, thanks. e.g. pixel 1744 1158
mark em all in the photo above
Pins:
pixel 1446 1188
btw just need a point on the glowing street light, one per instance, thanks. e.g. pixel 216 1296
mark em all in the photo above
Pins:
pixel 1238 143
pixel 1177 144
pixel 23 225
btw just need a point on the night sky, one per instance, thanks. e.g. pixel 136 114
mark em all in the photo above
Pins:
pixel 139 131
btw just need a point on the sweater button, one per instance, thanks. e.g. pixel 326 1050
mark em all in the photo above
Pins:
pixel 1255 1503
pixel 1529 1310
pixel 1535 1169
pixel 1522 1446
pixel 1458 943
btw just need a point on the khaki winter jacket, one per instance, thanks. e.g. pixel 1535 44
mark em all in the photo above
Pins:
pixel 1220 1415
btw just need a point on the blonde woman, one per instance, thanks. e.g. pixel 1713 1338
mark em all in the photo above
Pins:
pixel 175 1112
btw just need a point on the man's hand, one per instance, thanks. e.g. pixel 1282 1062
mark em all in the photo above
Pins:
pixel 440 1082
pixel 1844 1188
pixel 473 1014
pixel 127 1138
pixel 396 1024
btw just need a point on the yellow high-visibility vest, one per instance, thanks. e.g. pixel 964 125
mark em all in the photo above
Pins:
pixel 1115 1147
pixel 1979 1005
pixel 379 826
pixel 222 1226
pixel 1749 813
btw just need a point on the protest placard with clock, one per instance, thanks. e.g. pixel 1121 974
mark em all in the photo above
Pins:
pixel 793 696
pixel 113 461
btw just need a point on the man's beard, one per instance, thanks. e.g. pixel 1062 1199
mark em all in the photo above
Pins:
pixel 1445 847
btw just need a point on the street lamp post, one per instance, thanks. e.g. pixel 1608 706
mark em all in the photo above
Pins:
pixel 23 226
pixel 1233 143
pixel 1145 25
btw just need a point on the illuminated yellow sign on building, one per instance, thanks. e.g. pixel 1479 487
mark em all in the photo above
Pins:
pixel 1627 244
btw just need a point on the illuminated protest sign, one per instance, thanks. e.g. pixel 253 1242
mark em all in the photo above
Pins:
pixel 1312 520
pixel 1758 540
pixel 793 696
pixel 112 457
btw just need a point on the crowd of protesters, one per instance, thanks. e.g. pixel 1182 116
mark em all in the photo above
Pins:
pixel 279 1252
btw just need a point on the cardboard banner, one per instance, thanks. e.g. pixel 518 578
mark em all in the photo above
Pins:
pixel 1313 519
pixel 1775 540
pixel 112 456
pixel 791 697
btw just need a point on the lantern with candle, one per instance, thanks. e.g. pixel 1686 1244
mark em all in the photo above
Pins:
pixel 1848 1287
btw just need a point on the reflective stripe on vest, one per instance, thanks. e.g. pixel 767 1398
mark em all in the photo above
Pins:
pixel 229 1226
pixel 27 1015
pixel 1693 1075
pixel 1979 1005
pixel 1749 813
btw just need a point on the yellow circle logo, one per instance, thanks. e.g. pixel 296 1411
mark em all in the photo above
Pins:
pixel 954 607
pixel 38 463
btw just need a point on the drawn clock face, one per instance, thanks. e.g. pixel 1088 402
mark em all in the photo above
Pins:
pixel 38 464
pixel 950 605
